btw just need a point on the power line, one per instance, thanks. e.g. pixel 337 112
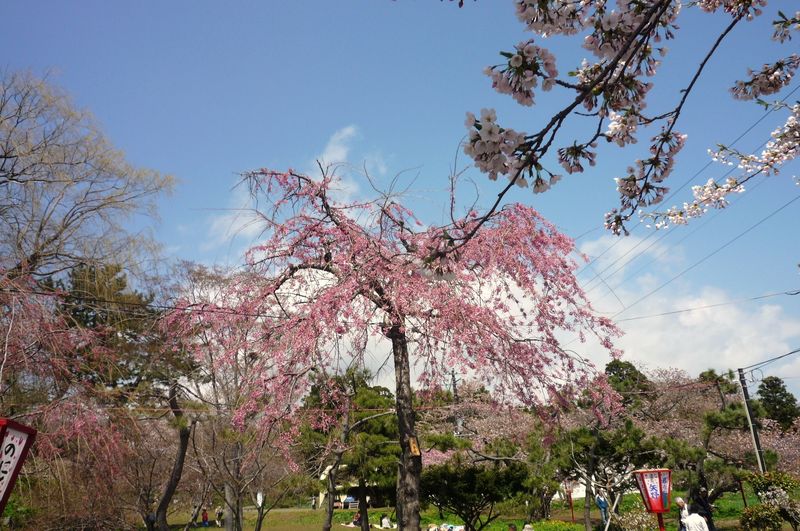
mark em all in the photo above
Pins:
pixel 201 307
pixel 709 255
pixel 229 311
pixel 771 360
pixel 696 228
pixel 706 306
pixel 662 234
pixel 681 187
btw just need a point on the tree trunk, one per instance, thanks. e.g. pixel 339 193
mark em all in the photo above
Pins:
pixel 326 526
pixel 410 466
pixel 362 504
pixel 231 509
pixel 587 510
pixel 184 432
pixel 587 501
pixel 234 497
pixel 545 499
pixel 260 517
pixel 328 523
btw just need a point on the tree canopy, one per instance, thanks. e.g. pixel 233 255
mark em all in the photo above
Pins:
pixel 778 402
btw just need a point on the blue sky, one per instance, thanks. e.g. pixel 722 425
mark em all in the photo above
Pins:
pixel 204 90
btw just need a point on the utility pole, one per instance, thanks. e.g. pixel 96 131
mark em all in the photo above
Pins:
pixel 753 428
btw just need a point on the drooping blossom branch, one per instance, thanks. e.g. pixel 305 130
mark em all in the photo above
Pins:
pixel 784 147
pixel 329 280
pixel 612 91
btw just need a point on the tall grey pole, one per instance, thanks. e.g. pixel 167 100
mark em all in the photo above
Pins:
pixel 753 428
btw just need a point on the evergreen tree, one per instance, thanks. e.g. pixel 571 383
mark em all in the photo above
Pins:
pixel 778 402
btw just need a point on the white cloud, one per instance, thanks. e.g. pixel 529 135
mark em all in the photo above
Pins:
pixel 338 156
pixel 338 147
pixel 718 333
pixel 731 336
pixel 376 164
pixel 612 258
pixel 237 221
pixel 238 226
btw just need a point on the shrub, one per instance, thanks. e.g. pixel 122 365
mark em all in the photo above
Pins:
pixel 765 517
pixel 763 483
pixel 636 519
pixel 556 525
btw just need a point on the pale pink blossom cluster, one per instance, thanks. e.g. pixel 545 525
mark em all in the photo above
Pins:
pixel 624 41
pixel 542 184
pixel 785 143
pixel 737 8
pixel 783 147
pixel 616 33
pixel 627 92
pixel 624 38
pixel 493 148
pixel 769 80
pixel 785 25
pixel 622 127
pixel 709 195
pixel 713 194
pixel 613 31
pixel 519 76
pixel 558 17
pixel 779 499
pixel 570 157
pixel 642 184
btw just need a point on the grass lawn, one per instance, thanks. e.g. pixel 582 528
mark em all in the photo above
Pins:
pixel 726 516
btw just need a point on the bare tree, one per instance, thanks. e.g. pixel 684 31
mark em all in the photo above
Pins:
pixel 65 191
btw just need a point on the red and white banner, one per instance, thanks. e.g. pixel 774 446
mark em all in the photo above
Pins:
pixel 16 441
pixel 655 486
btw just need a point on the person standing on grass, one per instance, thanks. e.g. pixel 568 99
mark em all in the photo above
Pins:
pixel 703 508
pixel 602 504
pixel 683 513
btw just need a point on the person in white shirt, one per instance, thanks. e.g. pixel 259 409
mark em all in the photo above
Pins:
pixel 690 521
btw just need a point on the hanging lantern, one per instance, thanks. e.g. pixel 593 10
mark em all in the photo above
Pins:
pixel 655 486
pixel 16 441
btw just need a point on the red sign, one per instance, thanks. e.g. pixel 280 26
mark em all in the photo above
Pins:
pixel 655 486
pixel 16 441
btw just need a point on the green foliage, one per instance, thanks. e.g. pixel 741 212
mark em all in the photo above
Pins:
pixel 542 481
pixel 445 441
pixel 726 383
pixel 774 490
pixel 555 525
pixel 132 354
pixel 371 431
pixel 764 482
pixel 778 402
pixel 16 510
pixel 762 517
pixel 374 449
pixel 732 417
pixel 607 455
pixel 629 382
pixel 471 491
